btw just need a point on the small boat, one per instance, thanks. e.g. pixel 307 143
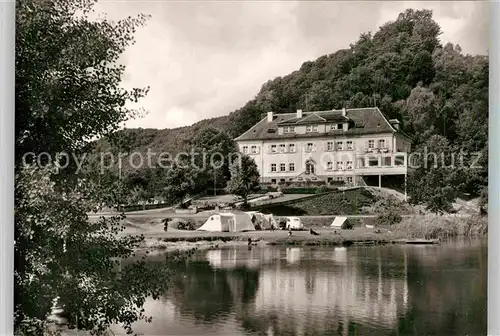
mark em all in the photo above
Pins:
pixel 369 226
pixel 422 241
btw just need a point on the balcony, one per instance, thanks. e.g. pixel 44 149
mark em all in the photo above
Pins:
pixel 378 163
pixel 377 150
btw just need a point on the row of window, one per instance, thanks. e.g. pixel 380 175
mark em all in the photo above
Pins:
pixel 311 147
pixel 313 128
pixel 253 150
pixel 348 179
pixel 340 165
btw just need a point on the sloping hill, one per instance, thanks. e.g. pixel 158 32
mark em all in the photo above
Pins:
pixel 381 68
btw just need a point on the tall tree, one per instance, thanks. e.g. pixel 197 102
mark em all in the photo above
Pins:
pixel 244 178
pixel 68 91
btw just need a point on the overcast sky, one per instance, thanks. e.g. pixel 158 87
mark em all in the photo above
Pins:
pixel 205 59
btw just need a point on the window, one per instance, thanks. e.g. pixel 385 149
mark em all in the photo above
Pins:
pixel 310 147
pixel 315 128
pixel 282 167
pixel 329 145
pixel 340 145
pixel 373 162
pixel 273 167
pixel 285 129
pixel 245 149
pixel 339 178
pixel 291 148
pixel 254 149
pixel 282 148
pixel 273 181
pixel 371 144
pixel 308 129
pixel 333 127
pixel 340 126
pixel 387 161
pixel 340 165
pixel 381 143
pixel 349 145
pixel 273 148
pixel 282 180
pixel 399 160
pixel 349 165
pixel 291 167
pixel 361 162
pixel 329 165
pixel 292 129
pixel 349 179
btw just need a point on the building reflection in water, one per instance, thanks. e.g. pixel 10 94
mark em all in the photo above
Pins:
pixel 318 291
pixel 330 291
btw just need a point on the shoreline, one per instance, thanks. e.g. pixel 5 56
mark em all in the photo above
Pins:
pixel 411 231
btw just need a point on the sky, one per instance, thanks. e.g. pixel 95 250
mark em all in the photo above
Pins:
pixel 204 59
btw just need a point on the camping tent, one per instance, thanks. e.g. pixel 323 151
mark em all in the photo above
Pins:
pixel 272 222
pixel 294 223
pixel 262 221
pixel 341 222
pixel 228 222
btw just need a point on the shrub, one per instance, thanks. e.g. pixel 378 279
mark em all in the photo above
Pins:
pixel 322 189
pixel 388 219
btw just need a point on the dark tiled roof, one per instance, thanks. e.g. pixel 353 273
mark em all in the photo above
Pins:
pixel 365 120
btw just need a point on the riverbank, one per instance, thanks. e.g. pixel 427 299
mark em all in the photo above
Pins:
pixel 423 228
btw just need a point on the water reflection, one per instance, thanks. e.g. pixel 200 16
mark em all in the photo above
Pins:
pixel 304 291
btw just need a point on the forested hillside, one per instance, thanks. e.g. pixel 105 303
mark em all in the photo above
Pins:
pixel 438 93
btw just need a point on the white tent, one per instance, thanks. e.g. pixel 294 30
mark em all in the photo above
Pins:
pixel 228 222
pixel 264 221
pixel 341 222
pixel 272 221
pixel 294 223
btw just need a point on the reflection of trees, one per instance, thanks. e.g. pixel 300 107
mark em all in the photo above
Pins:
pixel 209 294
pixel 448 293
pixel 201 291
pixel 323 294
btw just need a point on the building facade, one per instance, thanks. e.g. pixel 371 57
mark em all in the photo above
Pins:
pixel 347 145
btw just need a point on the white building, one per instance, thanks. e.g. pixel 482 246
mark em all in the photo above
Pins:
pixel 343 145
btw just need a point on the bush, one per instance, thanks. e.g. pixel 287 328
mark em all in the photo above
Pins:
pixel 388 219
pixel 311 190
pixel 322 189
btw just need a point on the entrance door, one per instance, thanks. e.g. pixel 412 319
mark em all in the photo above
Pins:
pixel 309 168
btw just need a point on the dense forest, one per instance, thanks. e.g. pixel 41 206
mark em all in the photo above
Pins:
pixel 439 94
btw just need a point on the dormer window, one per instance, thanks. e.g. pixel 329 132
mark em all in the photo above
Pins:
pixel 311 128
pixel 292 129
pixel 285 129
pixel 340 126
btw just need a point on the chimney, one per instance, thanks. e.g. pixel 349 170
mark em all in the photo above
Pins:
pixel 343 111
pixel 395 123
pixel 299 113
pixel 270 117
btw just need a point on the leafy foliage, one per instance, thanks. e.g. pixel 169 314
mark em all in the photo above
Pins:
pixel 244 178
pixel 68 92
pixel 433 89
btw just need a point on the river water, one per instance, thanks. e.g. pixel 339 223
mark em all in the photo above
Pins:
pixel 388 290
